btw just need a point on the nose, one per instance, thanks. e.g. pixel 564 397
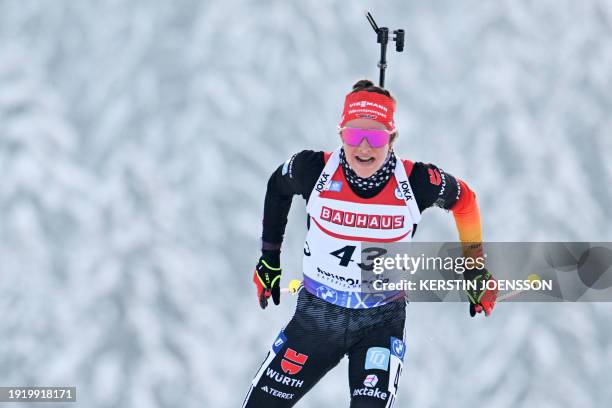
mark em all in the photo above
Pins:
pixel 364 145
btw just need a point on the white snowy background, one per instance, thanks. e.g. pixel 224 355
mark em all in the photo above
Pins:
pixel 136 140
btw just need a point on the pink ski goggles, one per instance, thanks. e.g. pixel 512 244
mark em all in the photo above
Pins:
pixel 375 137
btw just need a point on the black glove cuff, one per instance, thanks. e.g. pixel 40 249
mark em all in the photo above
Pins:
pixel 269 246
pixel 272 257
pixel 472 273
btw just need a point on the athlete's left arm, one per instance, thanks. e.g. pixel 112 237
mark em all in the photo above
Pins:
pixel 435 187
pixel 467 219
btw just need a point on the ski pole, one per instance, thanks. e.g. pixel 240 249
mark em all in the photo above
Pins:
pixel 295 285
pixel 532 278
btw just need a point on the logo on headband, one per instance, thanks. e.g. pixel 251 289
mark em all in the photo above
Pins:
pixel 374 105
pixel 369 105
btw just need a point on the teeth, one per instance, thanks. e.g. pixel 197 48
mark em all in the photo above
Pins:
pixel 364 160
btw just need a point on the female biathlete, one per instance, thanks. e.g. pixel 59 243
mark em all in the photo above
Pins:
pixel 360 192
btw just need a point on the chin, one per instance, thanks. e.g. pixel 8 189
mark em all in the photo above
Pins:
pixel 365 171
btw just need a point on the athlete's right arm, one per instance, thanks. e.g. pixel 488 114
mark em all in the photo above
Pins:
pixel 296 176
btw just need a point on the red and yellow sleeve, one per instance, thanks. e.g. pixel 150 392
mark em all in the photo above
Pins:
pixel 467 220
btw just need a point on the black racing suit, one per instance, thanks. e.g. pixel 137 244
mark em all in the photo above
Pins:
pixel 320 333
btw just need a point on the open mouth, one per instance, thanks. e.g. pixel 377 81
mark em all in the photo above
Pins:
pixel 364 160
